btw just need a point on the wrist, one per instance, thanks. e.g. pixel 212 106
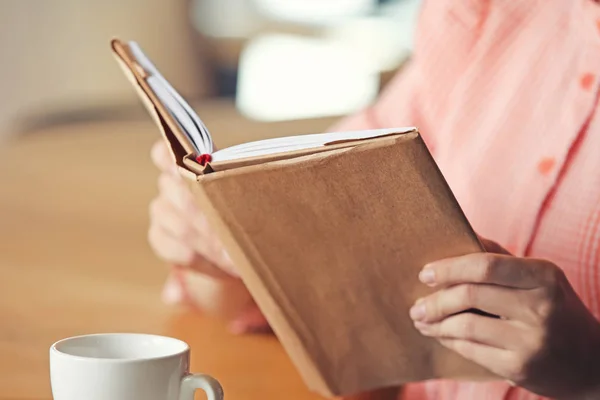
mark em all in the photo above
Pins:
pixel 592 389
pixel 583 381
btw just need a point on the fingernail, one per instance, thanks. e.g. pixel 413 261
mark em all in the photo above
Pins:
pixel 418 312
pixel 427 276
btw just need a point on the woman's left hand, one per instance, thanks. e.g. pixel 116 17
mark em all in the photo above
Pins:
pixel 545 340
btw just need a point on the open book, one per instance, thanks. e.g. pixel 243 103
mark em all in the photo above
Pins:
pixel 201 140
pixel 329 233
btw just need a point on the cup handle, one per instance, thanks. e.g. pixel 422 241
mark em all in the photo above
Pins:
pixel 191 383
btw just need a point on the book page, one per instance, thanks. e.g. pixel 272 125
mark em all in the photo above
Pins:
pixel 180 110
pixel 300 142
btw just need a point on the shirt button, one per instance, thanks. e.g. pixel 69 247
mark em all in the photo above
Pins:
pixel 546 165
pixel 587 81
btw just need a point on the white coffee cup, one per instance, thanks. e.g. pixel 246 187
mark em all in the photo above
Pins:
pixel 125 367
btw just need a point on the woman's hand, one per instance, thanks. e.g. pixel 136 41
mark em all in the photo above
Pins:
pixel 546 340
pixel 180 235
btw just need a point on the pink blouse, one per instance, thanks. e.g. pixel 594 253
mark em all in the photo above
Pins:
pixel 506 95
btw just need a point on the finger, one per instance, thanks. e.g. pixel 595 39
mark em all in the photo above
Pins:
pixel 172 291
pixel 468 326
pixel 202 265
pixel 175 240
pixel 496 300
pixel 207 243
pixel 211 247
pixel 168 248
pixel 486 268
pixel 209 258
pixel 164 215
pixel 175 191
pixel 162 158
pixel 174 250
pixel 498 361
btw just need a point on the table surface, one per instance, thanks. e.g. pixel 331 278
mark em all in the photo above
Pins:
pixel 74 257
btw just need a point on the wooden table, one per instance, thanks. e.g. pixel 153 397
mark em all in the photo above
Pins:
pixel 74 257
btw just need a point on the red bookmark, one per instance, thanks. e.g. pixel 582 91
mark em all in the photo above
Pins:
pixel 204 159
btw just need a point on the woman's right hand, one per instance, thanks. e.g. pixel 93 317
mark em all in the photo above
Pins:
pixel 179 234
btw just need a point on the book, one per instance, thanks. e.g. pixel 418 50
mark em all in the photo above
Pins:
pixel 329 233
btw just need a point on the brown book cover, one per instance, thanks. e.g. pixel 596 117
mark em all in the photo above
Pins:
pixel 330 244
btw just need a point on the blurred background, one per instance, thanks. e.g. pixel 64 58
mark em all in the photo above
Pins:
pixel 75 173
pixel 276 59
